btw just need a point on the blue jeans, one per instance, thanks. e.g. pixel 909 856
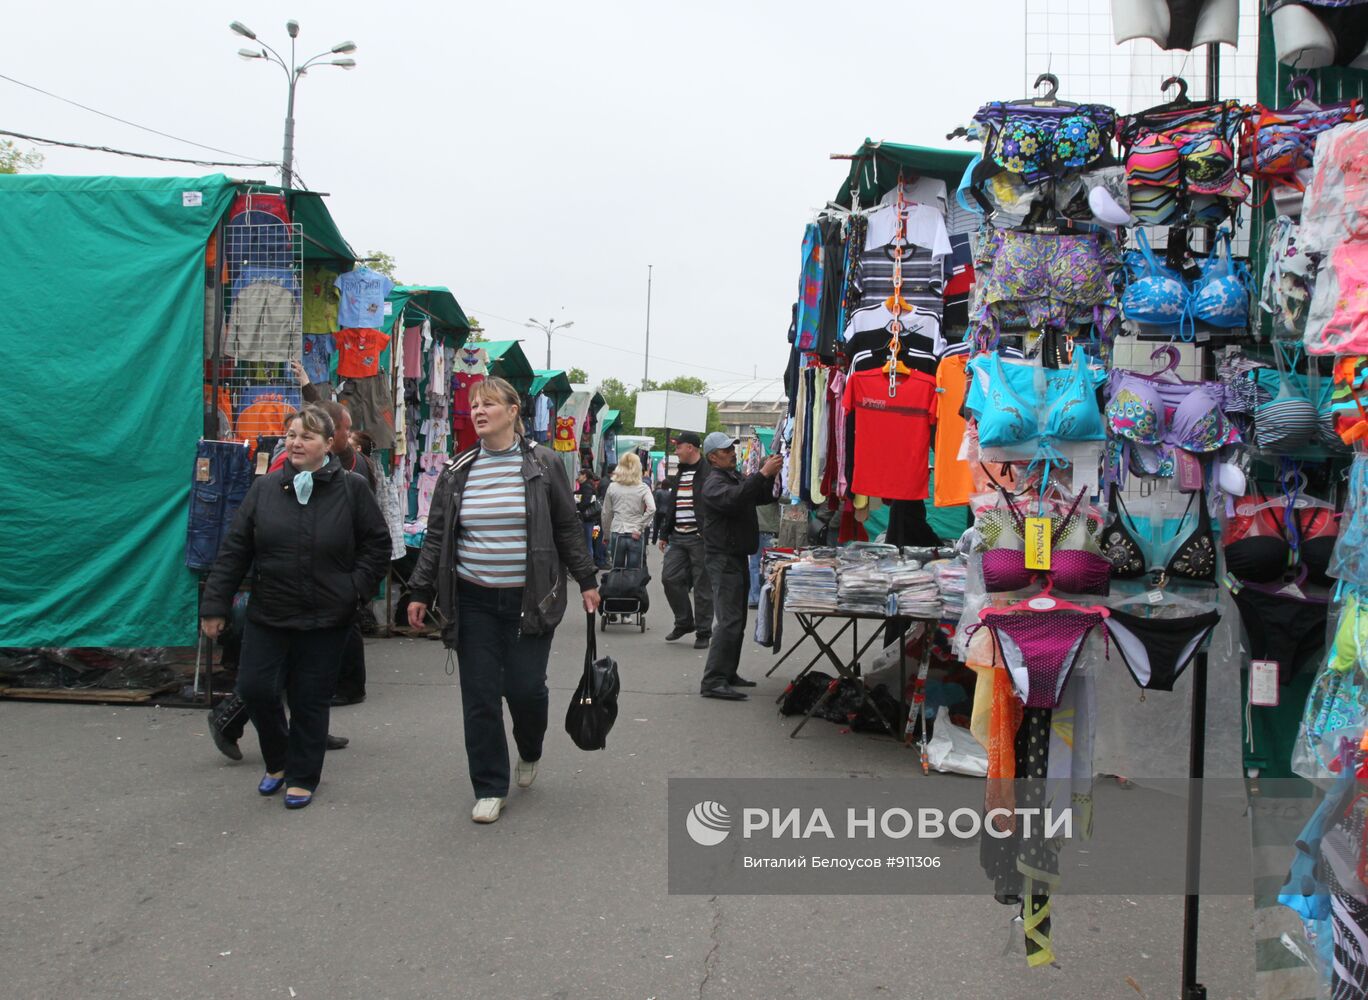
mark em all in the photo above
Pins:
pixel 221 478
pixel 766 541
pixel 498 663
pixel 627 551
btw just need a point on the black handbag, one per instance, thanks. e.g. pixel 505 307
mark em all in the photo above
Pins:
pixel 593 708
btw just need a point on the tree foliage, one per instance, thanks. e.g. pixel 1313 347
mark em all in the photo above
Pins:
pixel 578 376
pixel 14 160
pixel 378 260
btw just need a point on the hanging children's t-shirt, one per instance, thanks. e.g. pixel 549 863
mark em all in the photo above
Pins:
pixel 414 338
pixel 320 299
pixel 892 434
pixel 437 379
pixel 565 434
pixel 363 294
pixel 471 361
pixel 358 352
pixel 318 352
pixel 461 425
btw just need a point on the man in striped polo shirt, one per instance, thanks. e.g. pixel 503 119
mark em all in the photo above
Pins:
pixel 681 539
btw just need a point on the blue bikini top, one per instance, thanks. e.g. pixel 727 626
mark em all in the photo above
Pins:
pixel 1158 296
pixel 1005 401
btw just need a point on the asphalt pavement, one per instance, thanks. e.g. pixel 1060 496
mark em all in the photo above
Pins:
pixel 141 863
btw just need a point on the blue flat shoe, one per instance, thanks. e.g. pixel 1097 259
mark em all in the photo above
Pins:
pixel 269 785
pixel 298 801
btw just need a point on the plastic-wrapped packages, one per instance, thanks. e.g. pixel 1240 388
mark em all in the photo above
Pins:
pixel 1335 207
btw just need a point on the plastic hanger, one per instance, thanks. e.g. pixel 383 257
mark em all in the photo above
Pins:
pixel 1168 599
pixel 1174 357
pixel 1303 88
pixel 1182 99
pixel 1049 100
pixel 1044 601
pixel 1299 498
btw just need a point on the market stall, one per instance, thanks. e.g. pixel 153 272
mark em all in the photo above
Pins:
pixel 549 390
pixel 1137 437
pixel 507 361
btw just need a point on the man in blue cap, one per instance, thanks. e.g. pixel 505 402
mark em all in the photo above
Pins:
pixel 731 534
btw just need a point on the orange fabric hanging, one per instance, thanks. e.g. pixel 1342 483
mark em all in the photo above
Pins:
pixel 954 480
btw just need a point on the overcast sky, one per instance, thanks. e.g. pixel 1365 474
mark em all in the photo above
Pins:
pixel 536 157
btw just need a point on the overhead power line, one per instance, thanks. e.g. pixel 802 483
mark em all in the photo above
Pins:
pixel 125 152
pixel 145 128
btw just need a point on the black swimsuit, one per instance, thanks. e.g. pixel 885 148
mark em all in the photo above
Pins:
pixel 1194 561
pixel 1156 651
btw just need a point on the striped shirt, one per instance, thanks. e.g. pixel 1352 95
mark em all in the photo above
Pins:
pixel 685 521
pixel 491 540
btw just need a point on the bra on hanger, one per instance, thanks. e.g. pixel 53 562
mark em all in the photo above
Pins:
pixel 1158 296
pixel 1262 547
pixel 1073 569
pixel 1193 560
pixel 1005 401
pixel 1155 416
pixel 1026 138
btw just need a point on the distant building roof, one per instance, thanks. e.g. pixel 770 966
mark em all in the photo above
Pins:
pixel 760 392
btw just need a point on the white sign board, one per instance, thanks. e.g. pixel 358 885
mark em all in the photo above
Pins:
pixel 677 411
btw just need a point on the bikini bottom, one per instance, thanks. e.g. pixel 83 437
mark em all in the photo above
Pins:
pixel 1040 649
pixel 1282 629
pixel 1156 651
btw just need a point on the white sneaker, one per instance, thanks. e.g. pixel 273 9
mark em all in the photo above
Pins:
pixel 487 810
pixel 526 772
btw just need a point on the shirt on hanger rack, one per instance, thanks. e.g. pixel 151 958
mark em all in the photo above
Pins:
pixel 892 435
pixel 363 294
pixel 358 352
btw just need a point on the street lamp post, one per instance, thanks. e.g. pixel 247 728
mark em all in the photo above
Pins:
pixel 548 328
pixel 293 72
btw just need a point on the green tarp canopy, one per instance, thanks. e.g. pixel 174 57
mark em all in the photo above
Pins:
pixel 323 243
pixel 415 303
pixel 610 419
pixel 507 361
pixel 874 169
pixel 554 384
pixel 103 306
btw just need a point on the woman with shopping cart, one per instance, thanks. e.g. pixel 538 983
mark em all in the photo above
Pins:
pixel 628 511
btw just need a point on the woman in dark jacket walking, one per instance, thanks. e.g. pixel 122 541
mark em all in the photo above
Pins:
pixel 317 544
pixel 502 531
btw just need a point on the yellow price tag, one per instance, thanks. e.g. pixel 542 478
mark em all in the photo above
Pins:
pixel 1038 543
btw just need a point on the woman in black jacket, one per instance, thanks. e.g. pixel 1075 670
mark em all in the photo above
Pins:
pixel 502 532
pixel 317 544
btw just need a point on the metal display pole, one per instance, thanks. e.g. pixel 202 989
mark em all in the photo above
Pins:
pixel 1192 989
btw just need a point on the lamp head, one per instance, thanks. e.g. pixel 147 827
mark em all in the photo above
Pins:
pixel 566 326
pixel 345 63
pixel 531 322
pixel 292 27
pixel 249 54
pixel 341 47
pixel 243 30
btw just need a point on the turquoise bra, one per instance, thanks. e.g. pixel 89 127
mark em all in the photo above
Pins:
pixel 1005 401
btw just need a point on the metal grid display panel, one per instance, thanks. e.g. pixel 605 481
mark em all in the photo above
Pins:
pixel 1073 39
pixel 259 299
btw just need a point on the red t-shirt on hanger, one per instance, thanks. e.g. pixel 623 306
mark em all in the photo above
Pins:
pixel 358 352
pixel 892 435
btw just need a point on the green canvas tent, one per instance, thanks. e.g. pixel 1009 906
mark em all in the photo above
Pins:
pixel 106 301
pixel 874 169
pixel 416 303
pixel 553 383
pixel 609 421
pixel 507 361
